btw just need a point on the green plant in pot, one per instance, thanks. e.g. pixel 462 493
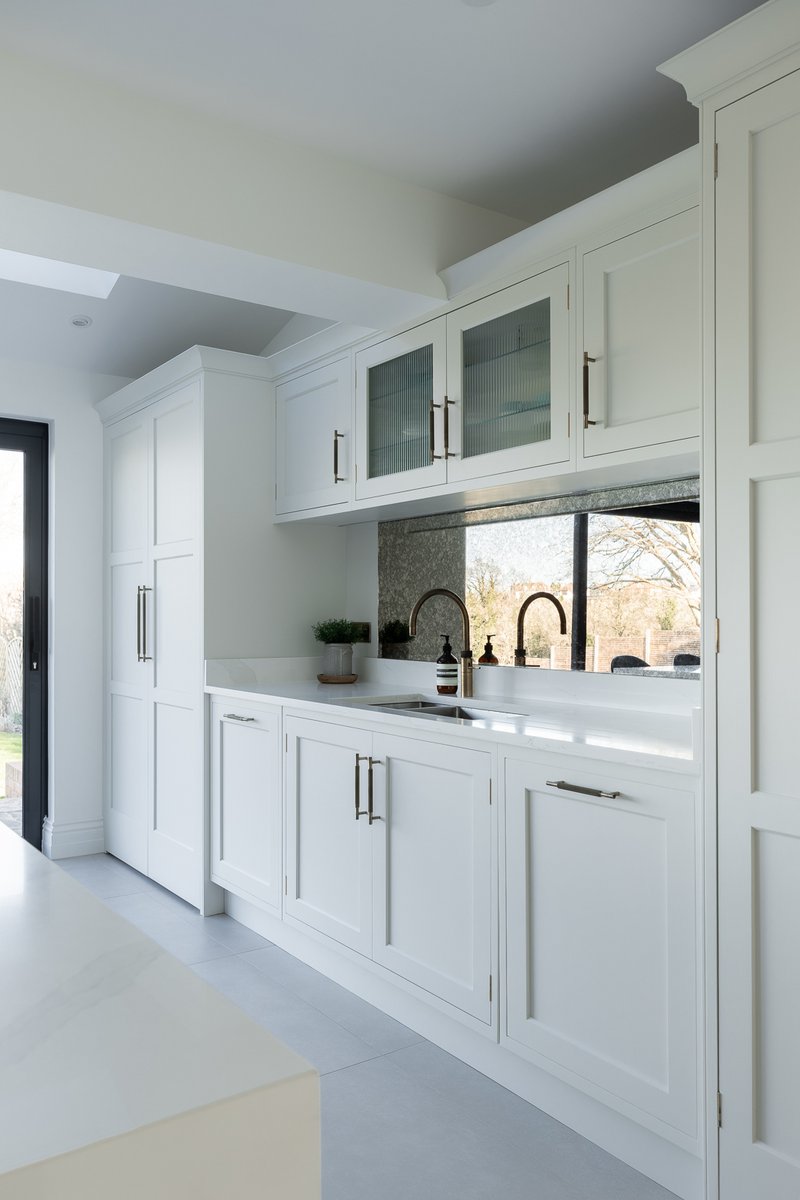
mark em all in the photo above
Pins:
pixel 394 639
pixel 337 635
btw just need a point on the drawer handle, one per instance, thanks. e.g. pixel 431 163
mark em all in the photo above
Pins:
pixel 337 478
pixel 586 361
pixel 236 717
pixel 360 812
pixel 563 786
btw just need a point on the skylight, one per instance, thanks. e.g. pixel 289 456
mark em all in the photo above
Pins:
pixel 61 276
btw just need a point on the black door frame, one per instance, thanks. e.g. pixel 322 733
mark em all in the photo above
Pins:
pixel 33 439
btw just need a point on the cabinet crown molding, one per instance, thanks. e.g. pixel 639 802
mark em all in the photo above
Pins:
pixel 756 40
pixel 183 367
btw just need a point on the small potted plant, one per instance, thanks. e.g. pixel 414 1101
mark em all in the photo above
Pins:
pixel 394 639
pixel 337 635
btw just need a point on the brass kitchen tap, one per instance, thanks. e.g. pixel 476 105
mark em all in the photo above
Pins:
pixel 519 653
pixel 466 653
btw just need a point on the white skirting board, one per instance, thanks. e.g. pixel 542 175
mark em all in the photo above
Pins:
pixel 69 839
pixel 669 1165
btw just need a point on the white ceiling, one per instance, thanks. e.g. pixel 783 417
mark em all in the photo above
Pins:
pixel 521 106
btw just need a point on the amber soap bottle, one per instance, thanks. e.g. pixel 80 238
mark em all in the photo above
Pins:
pixel 488 658
pixel 447 669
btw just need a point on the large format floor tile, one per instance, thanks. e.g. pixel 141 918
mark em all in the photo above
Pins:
pixel 401 1119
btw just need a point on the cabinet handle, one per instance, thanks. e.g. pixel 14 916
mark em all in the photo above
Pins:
pixel 360 812
pixel 139 623
pixel 337 478
pixel 145 657
pixel 447 452
pixel 236 717
pixel 432 431
pixel 586 361
pixel 371 814
pixel 563 786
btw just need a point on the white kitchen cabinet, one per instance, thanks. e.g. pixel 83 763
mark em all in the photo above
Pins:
pixel 246 800
pixel 640 359
pixel 389 852
pixel 314 465
pixel 186 502
pixel 480 392
pixel 328 852
pixel 600 932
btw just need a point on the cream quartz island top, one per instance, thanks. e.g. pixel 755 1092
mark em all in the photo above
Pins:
pixel 124 1075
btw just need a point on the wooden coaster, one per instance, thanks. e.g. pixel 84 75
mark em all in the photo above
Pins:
pixel 337 678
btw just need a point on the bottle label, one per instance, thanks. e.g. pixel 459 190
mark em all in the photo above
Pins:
pixel 446 673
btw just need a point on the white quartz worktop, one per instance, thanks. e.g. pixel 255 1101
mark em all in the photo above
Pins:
pixel 666 740
pixel 102 1034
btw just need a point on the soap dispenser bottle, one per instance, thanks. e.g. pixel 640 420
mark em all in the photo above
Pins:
pixel 488 658
pixel 447 669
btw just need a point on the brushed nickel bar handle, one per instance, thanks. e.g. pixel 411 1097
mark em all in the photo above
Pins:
pixel 432 431
pixel 236 717
pixel 563 786
pixel 370 812
pixel 360 812
pixel 145 656
pixel 586 361
pixel 337 478
pixel 447 452
pixel 139 623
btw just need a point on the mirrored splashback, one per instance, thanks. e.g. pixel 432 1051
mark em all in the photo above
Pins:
pixel 624 564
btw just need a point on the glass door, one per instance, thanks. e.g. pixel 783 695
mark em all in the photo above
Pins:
pixel 400 399
pixel 23 626
pixel 508 379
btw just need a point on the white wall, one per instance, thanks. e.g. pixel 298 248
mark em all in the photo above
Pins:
pixel 64 399
pixel 362 581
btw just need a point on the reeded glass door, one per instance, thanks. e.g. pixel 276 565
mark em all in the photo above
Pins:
pixel 400 398
pixel 508 379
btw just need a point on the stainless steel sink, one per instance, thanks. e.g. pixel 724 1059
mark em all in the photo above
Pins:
pixel 432 708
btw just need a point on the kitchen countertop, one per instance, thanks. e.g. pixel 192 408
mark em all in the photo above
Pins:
pixel 657 739
pixel 104 1034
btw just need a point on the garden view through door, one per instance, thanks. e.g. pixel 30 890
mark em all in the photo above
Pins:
pixel 12 563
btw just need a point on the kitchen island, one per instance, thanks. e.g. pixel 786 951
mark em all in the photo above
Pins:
pixel 123 1074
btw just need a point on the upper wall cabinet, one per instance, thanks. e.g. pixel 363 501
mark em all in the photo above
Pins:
pixel 480 392
pixel 314 463
pixel 641 338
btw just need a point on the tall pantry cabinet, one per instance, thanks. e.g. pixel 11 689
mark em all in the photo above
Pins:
pixel 746 80
pixel 193 570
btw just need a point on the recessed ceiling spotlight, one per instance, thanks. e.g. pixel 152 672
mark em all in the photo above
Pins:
pixel 80 322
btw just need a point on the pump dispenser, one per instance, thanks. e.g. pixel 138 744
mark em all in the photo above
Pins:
pixel 488 658
pixel 446 669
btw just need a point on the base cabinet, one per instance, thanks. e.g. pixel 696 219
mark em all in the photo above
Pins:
pixel 601 933
pixel 389 851
pixel 245 795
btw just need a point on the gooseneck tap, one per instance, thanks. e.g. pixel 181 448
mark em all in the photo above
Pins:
pixel 519 653
pixel 466 653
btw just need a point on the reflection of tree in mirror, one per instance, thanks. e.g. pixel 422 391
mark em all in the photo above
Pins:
pixel 635 555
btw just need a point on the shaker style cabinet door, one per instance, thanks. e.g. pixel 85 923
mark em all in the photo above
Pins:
pixel 640 368
pixel 246 800
pixel 400 396
pixel 432 869
pixel 315 457
pixel 600 934
pixel 508 380
pixel 129 675
pixel 328 855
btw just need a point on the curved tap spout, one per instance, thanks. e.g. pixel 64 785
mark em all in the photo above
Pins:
pixel 519 653
pixel 466 653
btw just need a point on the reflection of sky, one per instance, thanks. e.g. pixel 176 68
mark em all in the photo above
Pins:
pixel 538 549
pixel 11 543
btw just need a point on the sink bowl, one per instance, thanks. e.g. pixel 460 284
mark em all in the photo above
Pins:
pixel 432 708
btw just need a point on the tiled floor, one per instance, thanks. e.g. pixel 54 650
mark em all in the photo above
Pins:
pixel 401 1119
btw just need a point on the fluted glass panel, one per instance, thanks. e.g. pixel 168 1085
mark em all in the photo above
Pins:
pixel 506 381
pixel 399 395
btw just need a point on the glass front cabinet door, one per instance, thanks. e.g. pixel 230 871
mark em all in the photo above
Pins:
pixel 480 392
